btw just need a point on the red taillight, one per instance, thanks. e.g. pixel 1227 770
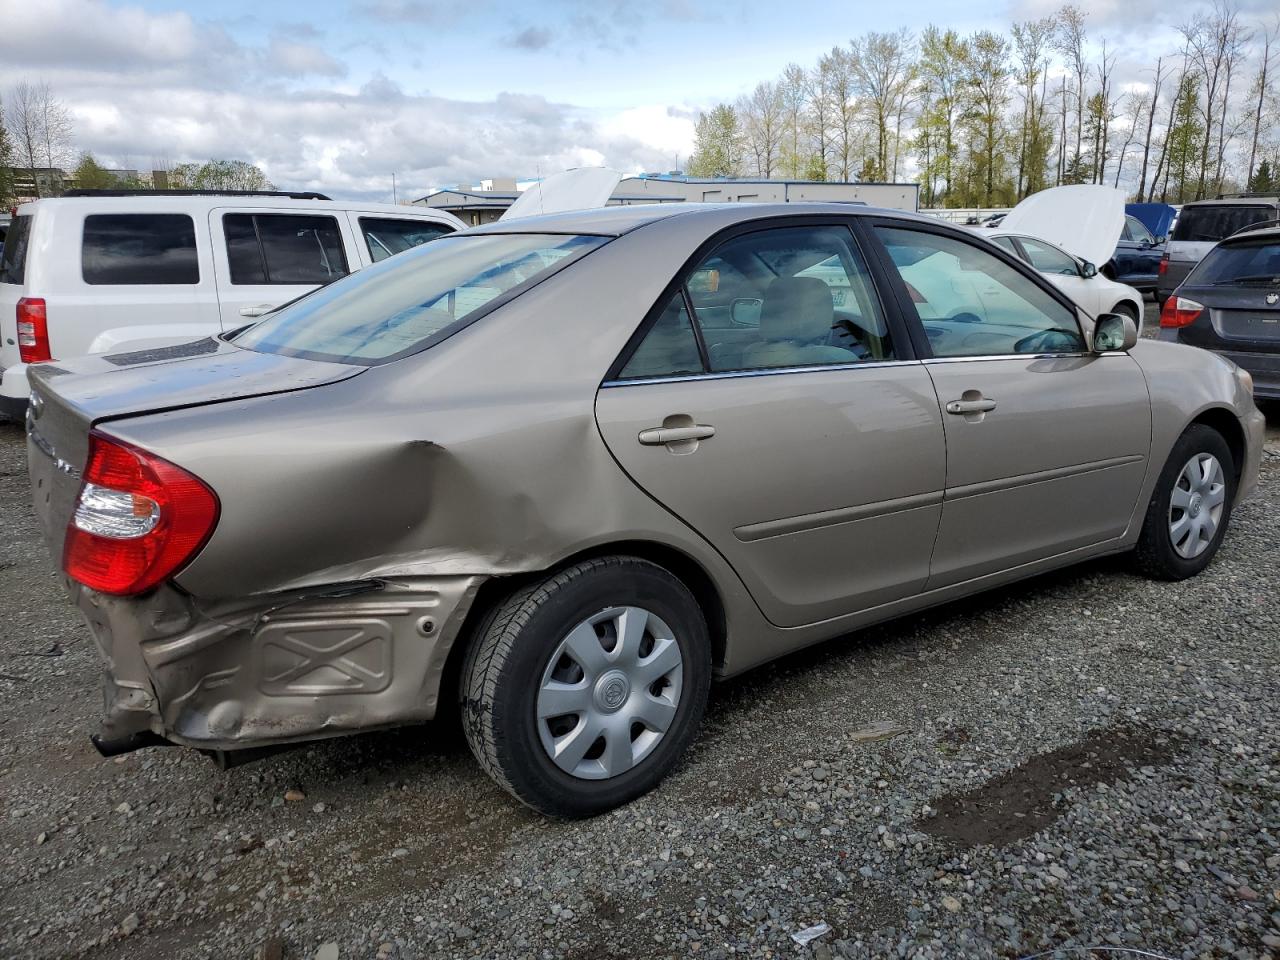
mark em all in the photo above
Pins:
pixel 138 519
pixel 1179 311
pixel 1163 268
pixel 33 331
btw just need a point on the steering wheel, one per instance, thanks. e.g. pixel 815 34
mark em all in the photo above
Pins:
pixel 1053 340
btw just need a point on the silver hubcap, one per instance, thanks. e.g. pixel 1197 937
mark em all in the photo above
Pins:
pixel 1195 509
pixel 609 693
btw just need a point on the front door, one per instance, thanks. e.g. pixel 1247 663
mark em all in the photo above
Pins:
pixel 1047 443
pixel 795 433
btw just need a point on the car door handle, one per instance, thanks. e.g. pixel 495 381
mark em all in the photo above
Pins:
pixel 656 436
pixel 257 311
pixel 971 406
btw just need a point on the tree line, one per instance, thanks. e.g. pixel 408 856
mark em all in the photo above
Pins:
pixel 38 156
pixel 989 118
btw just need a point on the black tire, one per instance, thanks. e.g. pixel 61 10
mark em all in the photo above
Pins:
pixel 1127 309
pixel 1155 554
pixel 510 653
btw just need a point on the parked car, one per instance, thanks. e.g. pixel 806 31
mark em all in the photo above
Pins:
pixel 1202 224
pixel 539 472
pixel 1078 279
pixel 1064 232
pixel 97 270
pixel 1137 255
pixel 1230 304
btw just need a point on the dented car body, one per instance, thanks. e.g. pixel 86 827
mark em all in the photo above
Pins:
pixel 374 505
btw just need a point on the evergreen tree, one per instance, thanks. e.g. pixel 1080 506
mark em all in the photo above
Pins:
pixel 1263 181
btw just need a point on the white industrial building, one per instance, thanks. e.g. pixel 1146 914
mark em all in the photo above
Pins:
pixel 486 201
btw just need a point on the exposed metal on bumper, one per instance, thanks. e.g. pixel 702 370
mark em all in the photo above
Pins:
pixel 291 668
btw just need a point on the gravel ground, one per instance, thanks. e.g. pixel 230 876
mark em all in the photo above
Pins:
pixel 1088 758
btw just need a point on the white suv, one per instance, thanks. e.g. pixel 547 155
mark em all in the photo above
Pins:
pixel 98 271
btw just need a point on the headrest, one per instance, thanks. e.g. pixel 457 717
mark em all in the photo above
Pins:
pixel 797 308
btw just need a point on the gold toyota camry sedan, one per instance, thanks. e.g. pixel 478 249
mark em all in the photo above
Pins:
pixel 560 473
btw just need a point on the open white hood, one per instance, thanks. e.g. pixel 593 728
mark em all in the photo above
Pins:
pixel 1085 219
pixel 582 189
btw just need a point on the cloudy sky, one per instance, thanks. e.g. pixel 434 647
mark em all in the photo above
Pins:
pixel 339 95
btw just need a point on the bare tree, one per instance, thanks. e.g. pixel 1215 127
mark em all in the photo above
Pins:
pixel 1215 41
pixel 762 116
pixel 794 89
pixel 1270 36
pixel 1137 106
pixel 1070 43
pixel 40 125
pixel 1152 101
pixel 1106 113
pixel 1031 42
pixel 882 75
pixel 838 68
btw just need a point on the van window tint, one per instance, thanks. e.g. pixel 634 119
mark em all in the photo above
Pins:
pixel 283 248
pixel 387 237
pixel 1213 221
pixel 13 262
pixel 150 248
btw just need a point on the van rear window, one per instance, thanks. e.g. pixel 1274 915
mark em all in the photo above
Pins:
pixel 13 262
pixel 1214 221
pixel 148 248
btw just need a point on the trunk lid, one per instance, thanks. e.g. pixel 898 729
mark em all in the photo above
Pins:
pixel 1085 220
pixel 70 397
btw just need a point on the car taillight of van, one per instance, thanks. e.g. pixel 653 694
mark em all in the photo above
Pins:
pixel 138 519
pixel 33 331
pixel 1179 312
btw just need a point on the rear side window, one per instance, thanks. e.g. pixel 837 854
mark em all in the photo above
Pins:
pixel 139 248
pixel 1218 220
pixel 13 262
pixel 283 248
pixel 410 302
pixel 385 237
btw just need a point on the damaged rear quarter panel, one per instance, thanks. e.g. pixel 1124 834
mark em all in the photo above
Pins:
pixel 479 456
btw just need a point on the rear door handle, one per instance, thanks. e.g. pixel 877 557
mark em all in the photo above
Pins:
pixel 257 311
pixel 656 436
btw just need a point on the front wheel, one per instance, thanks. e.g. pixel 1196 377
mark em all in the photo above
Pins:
pixel 1190 507
pixel 584 689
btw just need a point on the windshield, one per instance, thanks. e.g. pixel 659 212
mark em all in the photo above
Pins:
pixel 1214 221
pixel 13 260
pixel 1239 263
pixel 408 303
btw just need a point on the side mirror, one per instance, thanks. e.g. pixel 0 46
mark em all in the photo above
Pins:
pixel 1088 270
pixel 1114 331
pixel 745 312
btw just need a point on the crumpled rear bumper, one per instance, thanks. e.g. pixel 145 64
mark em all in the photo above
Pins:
pixel 286 669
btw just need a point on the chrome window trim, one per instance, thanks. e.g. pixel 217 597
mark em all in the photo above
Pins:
pixel 763 372
pixel 1018 356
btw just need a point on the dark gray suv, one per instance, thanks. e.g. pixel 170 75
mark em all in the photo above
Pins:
pixel 1202 224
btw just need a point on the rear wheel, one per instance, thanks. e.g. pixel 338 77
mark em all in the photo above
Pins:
pixel 584 689
pixel 1190 507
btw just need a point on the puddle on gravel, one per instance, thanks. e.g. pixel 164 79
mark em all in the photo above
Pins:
pixel 1019 803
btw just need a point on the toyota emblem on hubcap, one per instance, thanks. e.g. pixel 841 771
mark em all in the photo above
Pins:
pixel 612 691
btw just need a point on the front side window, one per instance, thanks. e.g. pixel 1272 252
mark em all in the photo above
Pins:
pixel 409 302
pixel 283 248
pixel 1049 259
pixel 971 303
pixel 1136 231
pixel 385 237
pixel 129 248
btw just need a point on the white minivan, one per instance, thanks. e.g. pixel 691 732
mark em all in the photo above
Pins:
pixel 102 271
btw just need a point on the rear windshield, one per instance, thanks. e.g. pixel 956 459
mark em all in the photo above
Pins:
pixel 1217 220
pixel 13 262
pixel 1252 263
pixel 414 300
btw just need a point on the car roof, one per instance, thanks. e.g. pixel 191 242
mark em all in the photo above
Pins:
pixel 201 203
pixel 1268 200
pixel 617 220
pixel 1262 233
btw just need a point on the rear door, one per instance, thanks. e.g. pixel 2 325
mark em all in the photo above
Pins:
pixel 805 443
pixel 267 257
pixel 1046 443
